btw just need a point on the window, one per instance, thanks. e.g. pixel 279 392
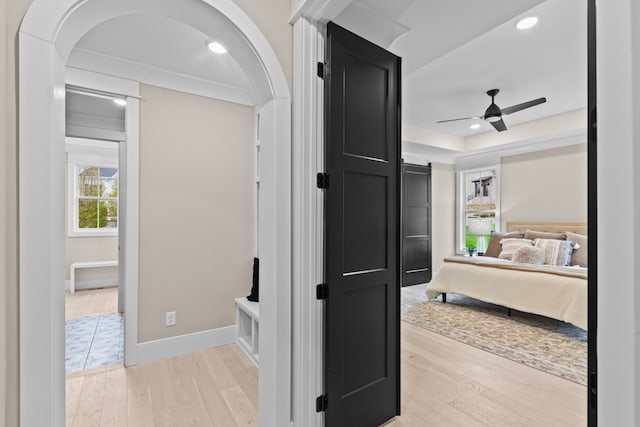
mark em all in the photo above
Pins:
pixel 93 187
pixel 478 208
pixel 96 198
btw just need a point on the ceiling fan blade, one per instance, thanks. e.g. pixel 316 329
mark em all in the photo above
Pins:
pixel 455 120
pixel 499 125
pixel 524 105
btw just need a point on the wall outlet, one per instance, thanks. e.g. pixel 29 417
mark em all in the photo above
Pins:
pixel 170 318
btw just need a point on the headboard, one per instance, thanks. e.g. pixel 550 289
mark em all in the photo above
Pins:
pixel 554 227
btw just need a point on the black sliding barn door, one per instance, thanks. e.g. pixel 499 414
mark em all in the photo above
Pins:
pixel 362 231
pixel 416 224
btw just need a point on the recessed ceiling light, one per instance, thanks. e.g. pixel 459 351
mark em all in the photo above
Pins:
pixel 475 126
pixel 216 47
pixel 120 102
pixel 527 22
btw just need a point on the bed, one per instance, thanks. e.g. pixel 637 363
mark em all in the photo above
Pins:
pixel 558 292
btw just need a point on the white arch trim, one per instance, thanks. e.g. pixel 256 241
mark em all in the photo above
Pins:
pixel 44 43
pixel 64 22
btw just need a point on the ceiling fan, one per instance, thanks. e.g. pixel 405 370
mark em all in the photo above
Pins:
pixel 494 114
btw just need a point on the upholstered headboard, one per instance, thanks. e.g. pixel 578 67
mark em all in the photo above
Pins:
pixel 554 227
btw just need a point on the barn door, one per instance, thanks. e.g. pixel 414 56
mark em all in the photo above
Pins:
pixel 362 232
pixel 416 224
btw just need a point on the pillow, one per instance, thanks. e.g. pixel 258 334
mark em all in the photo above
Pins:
pixel 528 255
pixel 533 235
pixel 580 255
pixel 494 248
pixel 510 245
pixel 556 252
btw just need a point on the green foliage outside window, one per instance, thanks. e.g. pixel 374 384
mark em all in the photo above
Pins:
pixel 97 197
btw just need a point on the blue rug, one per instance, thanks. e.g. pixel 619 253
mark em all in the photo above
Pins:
pixel 94 341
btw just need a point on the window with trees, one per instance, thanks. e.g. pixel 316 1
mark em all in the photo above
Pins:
pixel 478 208
pixel 96 199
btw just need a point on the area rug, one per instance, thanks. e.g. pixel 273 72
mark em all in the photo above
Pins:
pixel 546 344
pixel 93 341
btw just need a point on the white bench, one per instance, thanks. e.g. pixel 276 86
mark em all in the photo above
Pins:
pixel 91 264
pixel 248 320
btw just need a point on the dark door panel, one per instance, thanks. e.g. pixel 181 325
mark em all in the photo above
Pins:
pixel 416 224
pixel 362 231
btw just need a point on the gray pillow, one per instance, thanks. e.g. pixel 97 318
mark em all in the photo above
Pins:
pixel 528 255
pixel 580 256
pixel 556 252
pixel 533 235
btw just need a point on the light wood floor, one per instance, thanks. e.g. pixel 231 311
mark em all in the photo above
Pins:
pixel 216 387
pixel 447 383
pixel 91 301
pixel 444 383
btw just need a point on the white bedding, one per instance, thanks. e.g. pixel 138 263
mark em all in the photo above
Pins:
pixel 540 290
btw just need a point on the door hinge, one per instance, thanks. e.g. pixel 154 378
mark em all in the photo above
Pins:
pixel 320 70
pixel 321 403
pixel 322 180
pixel 322 291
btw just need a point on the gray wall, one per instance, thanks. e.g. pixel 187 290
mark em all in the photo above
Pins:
pixel 196 211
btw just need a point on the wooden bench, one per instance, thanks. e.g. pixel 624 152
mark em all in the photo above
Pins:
pixel 91 264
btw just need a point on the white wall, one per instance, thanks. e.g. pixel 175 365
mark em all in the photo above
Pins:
pixel 549 185
pixel 196 211
pixel 618 50
pixel 7 189
pixel 443 190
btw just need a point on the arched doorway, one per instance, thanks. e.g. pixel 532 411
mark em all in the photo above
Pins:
pixel 47 35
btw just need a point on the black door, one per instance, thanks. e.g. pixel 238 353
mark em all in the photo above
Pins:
pixel 416 224
pixel 592 144
pixel 362 231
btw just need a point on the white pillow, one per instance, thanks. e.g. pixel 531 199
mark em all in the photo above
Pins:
pixel 509 246
pixel 528 255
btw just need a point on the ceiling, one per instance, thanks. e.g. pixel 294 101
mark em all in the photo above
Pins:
pixel 161 51
pixel 452 51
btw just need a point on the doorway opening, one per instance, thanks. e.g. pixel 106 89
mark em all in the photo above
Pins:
pixel 583 214
pixel 94 323
pixel 47 39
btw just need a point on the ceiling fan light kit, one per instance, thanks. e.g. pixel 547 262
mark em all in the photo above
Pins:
pixel 493 114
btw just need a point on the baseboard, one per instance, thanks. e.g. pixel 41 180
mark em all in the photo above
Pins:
pixel 183 344
pixel 92 283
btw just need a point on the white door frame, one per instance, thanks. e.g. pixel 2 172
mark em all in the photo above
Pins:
pixel 47 34
pixel 308 19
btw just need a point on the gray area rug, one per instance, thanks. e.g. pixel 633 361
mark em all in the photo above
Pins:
pixel 94 341
pixel 546 344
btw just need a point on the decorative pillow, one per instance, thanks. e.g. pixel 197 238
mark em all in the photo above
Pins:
pixel 494 248
pixel 510 245
pixel 533 235
pixel 556 252
pixel 580 255
pixel 528 255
